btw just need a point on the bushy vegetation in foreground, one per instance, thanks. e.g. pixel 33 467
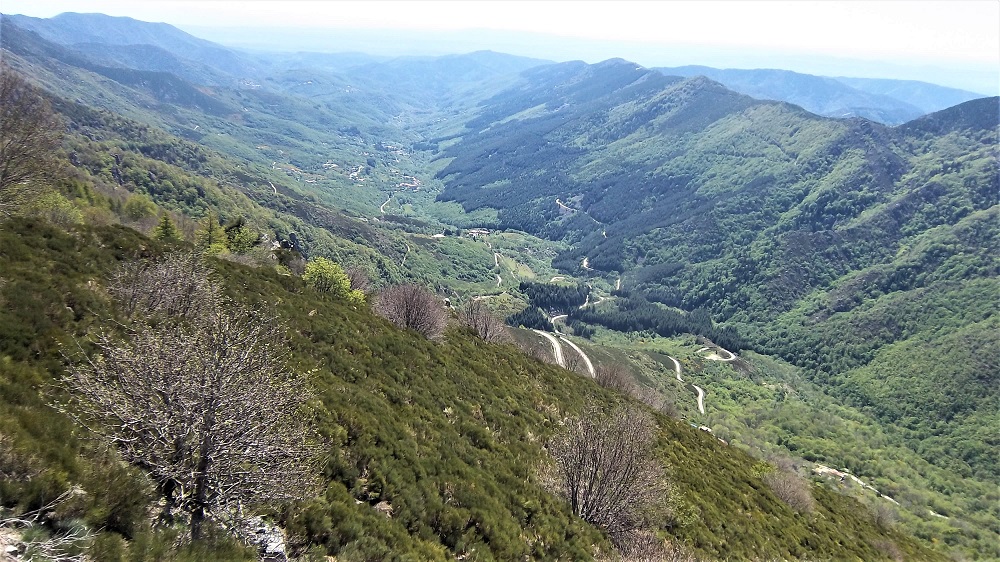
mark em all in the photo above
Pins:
pixel 444 437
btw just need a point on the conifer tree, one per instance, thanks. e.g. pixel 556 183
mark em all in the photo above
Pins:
pixel 211 237
pixel 166 230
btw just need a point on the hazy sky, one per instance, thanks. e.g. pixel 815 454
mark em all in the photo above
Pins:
pixel 952 37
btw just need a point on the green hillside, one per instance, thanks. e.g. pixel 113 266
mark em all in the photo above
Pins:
pixel 850 265
pixel 835 245
pixel 448 433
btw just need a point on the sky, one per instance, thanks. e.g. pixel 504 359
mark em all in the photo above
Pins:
pixel 954 43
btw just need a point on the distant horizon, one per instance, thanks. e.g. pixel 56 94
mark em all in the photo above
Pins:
pixel 373 42
pixel 953 44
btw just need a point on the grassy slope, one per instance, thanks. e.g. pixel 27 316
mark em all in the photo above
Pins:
pixel 448 433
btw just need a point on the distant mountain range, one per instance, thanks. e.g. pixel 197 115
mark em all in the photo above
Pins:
pixel 161 47
pixel 887 101
pixel 846 226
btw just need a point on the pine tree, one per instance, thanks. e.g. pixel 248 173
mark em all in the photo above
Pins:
pixel 211 237
pixel 166 230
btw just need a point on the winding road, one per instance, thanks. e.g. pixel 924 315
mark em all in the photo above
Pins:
pixel 586 360
pixel 405 255
pixel 553 322
pixel 698 389
pixel 382 208
pixel 677 367
pixel 556 348
pixel 701 398
pixel 713 356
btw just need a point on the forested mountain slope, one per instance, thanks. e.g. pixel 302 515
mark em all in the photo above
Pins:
pixel 88 30
pixel 446 433
pixel 859 252
pixel 842 246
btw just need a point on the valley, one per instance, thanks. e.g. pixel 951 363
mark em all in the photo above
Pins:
pixel 829 284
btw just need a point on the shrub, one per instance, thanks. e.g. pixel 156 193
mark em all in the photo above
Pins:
pixel 413 307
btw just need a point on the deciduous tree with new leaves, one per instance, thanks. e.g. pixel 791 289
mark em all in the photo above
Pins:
pixel 328 277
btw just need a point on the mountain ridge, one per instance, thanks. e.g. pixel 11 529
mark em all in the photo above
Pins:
pixel 890 102
pixel 804 236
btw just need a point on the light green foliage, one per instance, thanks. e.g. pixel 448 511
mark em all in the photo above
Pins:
pixel 328 277
pixel 241 239
pixel 53 207
pixel 137 207
pixel 210 236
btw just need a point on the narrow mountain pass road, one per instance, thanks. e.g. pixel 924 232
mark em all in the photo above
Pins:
pixel 405 255
pixel 382 208
pixel 677 367
pixel 698 389
pixel 714 354
pixel 586 360
pixel 553 322
pixel 556 347
pixel 701 398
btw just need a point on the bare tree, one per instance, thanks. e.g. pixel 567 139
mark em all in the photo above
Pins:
pixel 177 286
pixel 606 470
pixel 359 279
pixel 645 546
pixel 481 319
pixel 412 307
pixel 791 488
pixel 616 376
pixel 29 135
pixel 200 398
pixel 884 515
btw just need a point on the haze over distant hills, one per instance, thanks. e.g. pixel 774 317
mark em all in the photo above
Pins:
pixel 983 81
pixel 837 236
pixel 886 101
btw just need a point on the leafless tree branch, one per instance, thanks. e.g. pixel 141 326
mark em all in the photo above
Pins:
pixel 481 319
pixel 606 470
pixel 29 135
pixel 197 394
pixel 413 307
